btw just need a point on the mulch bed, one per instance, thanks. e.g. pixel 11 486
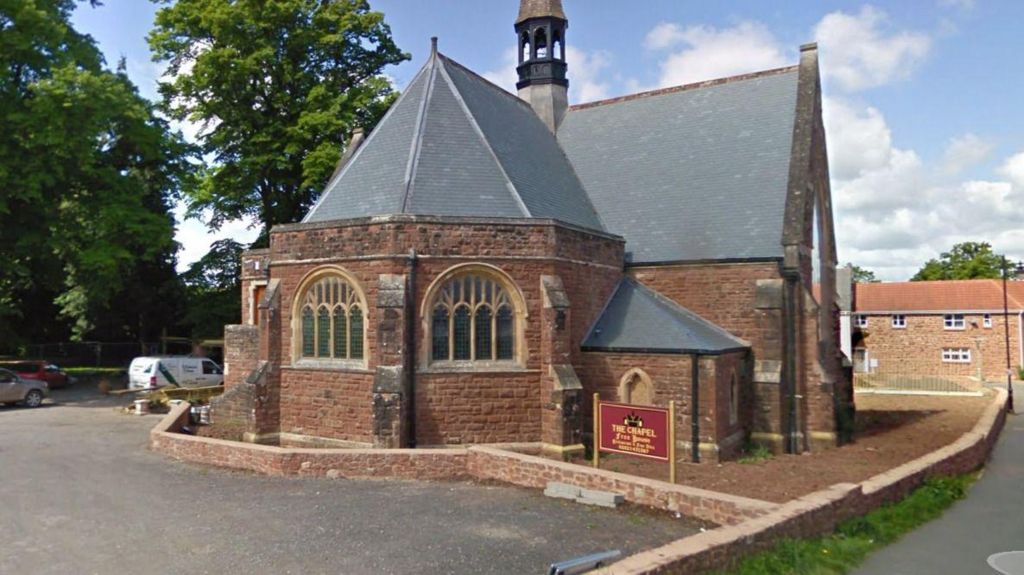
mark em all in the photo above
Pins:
pixel 891 430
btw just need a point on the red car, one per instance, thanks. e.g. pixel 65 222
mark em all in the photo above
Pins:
pixel 39 370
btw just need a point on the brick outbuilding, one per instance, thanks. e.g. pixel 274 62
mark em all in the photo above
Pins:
pixel 956 328
pixel 481 264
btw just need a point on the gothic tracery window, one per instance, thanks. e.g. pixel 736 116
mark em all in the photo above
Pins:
pixel 331 320
pixel 472 319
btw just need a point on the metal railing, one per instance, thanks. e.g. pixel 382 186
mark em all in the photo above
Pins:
pixel 924 378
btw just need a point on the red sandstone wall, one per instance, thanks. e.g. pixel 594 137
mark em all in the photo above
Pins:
pixel 918 347
pixel 255 268
pixel 451 406
pixel 671 377
pixel 723 294
pixel 327 403
pixel 455 408
pixel 241 353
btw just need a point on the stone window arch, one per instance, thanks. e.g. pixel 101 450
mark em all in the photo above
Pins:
pixel 636 388
pixel 473 314
pixel 329 319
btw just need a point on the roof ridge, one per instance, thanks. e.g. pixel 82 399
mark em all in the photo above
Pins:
pixel 687 87
pixel 417 138
pixel 503 91
pixel 483 139
pixel 362 147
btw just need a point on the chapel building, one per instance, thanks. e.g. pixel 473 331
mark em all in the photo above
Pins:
pixel 482 263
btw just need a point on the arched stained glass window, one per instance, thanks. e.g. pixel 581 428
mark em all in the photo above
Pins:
pixel 308 332
pixel 464 325
pixel 355 321
pixel 323 327
pixel 439 333
pixel 484 333
pixel 332 320
pixel 506 333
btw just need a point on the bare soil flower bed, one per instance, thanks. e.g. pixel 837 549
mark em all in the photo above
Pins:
pixel 891 430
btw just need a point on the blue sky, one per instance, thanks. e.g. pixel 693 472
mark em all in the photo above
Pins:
pixel 922 98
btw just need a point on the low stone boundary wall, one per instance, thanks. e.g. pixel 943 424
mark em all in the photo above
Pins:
pixel 423 464
pixel 750 525
pixel 531 471
pixel 480 462
pixel 818 513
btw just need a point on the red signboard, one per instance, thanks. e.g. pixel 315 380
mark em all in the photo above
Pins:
pixel 634 430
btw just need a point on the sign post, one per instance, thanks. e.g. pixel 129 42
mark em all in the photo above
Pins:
pixel 597 430
pixel 638 430
pixel 672 441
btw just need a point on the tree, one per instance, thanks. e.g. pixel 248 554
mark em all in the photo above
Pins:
pixel 862 275
pixel 87 171
pixel 214 285
pixel 277 88
pixel 967 260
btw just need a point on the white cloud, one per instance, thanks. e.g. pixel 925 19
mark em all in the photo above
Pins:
pixel 858 139
pixel 587 74
pixel 664 35
pixel 859 52
pixel 707 52
pixel 195 238
pixel 894 211
pixel 964 152
pixel 1013 168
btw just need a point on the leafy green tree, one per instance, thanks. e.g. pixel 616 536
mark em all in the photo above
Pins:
pixel 214 285
pixel 87 170
pixel 277 88
pixel 862 275
pixel 967 260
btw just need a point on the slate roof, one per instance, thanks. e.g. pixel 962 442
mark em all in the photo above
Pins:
pixel 638 319
pixel 937 296
pixel 456 145
pixel 691 173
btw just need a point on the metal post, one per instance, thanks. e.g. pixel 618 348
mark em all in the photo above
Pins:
pixel 672 441
pixel 597 430
pixel 695 409
pixel 1006 331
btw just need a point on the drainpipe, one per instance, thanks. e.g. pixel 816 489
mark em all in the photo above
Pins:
pixel 410 344
pixel 792 443
pixel 695 408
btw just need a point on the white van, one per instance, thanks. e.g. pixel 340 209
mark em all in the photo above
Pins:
pixel 153 372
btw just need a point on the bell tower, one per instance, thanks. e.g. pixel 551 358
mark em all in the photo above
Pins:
pixel 540 29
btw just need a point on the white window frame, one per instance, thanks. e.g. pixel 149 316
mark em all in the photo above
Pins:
pixel 899 321
pixel 956 355
pixel 954 321
pixel 860 320
pixel 986 320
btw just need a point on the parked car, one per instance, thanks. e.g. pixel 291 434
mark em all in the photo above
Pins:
pixel 40 370
pixel 154 372
pixel 14 389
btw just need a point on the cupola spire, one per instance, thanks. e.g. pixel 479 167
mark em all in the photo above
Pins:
pixel 540 29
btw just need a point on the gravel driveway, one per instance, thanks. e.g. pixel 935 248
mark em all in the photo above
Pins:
pixel 80 493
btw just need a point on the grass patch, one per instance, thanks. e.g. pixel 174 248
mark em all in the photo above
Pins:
pixel 754 453
pixel 854 539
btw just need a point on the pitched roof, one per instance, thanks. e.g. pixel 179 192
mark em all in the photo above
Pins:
pixel 937 296
pixel 540 9
pixel 456 145
pixel 638 319
pixel 690 173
